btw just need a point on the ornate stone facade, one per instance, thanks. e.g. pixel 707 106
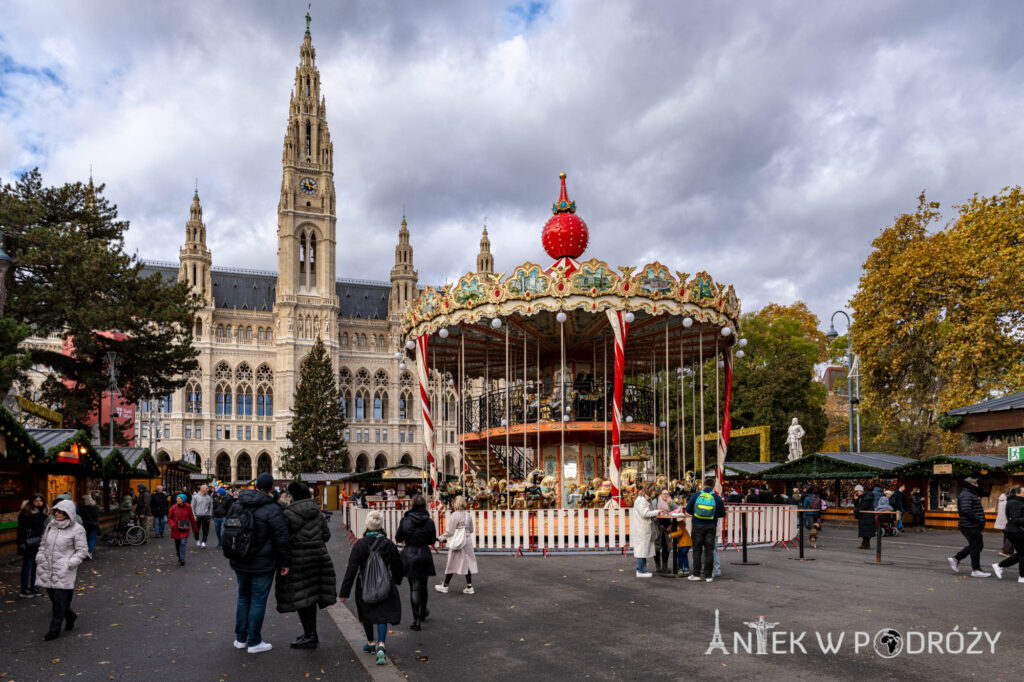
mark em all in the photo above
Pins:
pixel 256 327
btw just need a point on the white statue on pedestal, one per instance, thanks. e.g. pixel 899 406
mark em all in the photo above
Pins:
pixel 796 433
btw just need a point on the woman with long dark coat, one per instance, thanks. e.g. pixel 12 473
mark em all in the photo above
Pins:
pixel 864 506
pixel 311 581
pixel 418 532
pixel 374 616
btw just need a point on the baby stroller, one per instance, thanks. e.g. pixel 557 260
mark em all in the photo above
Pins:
pixel 888 523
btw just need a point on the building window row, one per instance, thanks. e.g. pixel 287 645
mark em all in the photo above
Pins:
pixel 240 333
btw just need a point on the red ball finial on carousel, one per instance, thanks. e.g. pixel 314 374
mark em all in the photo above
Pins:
pixel 565 234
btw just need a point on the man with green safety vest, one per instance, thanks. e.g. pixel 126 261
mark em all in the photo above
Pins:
pixel 705 508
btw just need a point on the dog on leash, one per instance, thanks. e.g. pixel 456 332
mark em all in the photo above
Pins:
pixel 812 535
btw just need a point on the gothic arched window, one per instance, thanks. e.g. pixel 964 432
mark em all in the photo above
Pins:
pixel 309 139
pixel 302 253
pixel 312 254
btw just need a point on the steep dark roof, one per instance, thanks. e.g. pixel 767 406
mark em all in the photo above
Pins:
pixel 257 290
pixel 363 300
pixel 748 468
pixel 1013 401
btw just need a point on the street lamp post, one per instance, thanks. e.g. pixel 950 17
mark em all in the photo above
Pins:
pixel 831 335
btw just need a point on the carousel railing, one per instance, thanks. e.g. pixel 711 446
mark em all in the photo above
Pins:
pixel 582 400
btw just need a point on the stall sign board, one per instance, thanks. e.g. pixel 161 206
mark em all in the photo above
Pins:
pixel 71 456
pixel 1015 453
pixel 942 469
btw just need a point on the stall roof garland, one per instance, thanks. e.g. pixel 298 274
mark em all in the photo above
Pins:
pixel 963 465
pixel 823 465
pixel 594 287
pixel 20 446
pixel 129 461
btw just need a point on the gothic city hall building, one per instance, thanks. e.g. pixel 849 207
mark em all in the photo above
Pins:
pixel 255 328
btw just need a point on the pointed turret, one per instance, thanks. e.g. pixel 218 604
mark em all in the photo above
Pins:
pixel 194 256
pixel 484 259
pixel 403 276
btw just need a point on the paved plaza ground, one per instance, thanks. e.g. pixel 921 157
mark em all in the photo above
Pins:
pixel 560 617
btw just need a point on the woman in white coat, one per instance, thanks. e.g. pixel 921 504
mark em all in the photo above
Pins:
pixel 641 529
pixel 1000 524
pixel 63 548
pixel 463 559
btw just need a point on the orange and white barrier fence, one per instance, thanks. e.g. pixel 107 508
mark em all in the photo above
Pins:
pixel 599 530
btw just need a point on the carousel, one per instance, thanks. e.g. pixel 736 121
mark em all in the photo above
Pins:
pixel 567 376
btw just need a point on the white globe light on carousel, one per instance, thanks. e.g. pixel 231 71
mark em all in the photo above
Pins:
pixel 496 323
pixel 687 322
pixel 398 355
pixel 443 333
pixel 663 424
pixel 561 317
pixel 630 317
pixel 565 417
pixel 504 422
pixel 629 419
pixel 401 366
pixel 742 343
pixel 726 331
pixel 410 344
pixel 740 353
pixel 721 363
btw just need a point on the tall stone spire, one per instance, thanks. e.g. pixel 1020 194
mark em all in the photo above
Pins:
pixel 484 259
pixel 194 256
pixel 403 276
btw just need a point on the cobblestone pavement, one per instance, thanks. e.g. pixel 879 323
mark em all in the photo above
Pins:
pixel 560 617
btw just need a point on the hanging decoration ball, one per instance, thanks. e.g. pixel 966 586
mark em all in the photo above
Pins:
pixel 496 323
pixel 742 343
pixel 687 322
pixel 726 331
pixel 410 344
pixel 398 355
pixel 565 417
pixel 401 366
pixel 630 317
pixel 721 363
pixel 663 424
pixel 629 419
pixel 443 333
pixel 561 317
pixel 740 353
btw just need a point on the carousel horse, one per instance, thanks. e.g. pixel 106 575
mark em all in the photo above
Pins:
pixel 518 492
pixel 629 488
pixel 603 497
pixel 548 493
pixel 573 496
pixel 485 499
pixel 589 494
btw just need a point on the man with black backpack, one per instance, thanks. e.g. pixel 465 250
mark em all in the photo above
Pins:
pixel 255 539
pixel 706 507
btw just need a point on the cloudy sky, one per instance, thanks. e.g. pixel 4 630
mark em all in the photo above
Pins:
pixel 766 142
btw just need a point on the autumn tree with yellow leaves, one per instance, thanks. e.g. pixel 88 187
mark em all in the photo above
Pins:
pixel 938 317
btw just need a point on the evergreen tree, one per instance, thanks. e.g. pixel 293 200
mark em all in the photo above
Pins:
pixel 71 277
pixel 317 431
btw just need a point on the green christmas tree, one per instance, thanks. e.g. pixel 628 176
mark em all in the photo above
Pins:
pixel 317 431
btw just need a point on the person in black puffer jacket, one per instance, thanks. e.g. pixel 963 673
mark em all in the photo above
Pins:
pixel 1014 532
pixel 255 574
pixel 311 582
pixel 31 523
pixel 159 506
pixel 971 523
pixel 863 504
pixel 418 532
pixel 222 502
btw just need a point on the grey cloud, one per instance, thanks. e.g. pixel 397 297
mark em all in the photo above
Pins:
pixel 767 143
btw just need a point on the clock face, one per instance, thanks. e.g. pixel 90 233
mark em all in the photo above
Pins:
pixel 308 185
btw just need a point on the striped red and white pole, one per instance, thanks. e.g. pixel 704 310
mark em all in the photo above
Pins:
pixel 723 435
pixel 422 372
pixel 620 327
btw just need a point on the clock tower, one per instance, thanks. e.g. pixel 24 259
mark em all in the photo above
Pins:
pixel 306 304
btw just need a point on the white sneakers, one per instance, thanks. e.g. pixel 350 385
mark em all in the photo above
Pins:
pixel 443 589
pixel 644 574
pixel 998 570
pixel 469 590
pixel 954 564
pixel 260 648
pixel 240 645
pixel 200 544
pixel 1021 579
pixel 694 578
pixel 708 580
pixel 980 574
